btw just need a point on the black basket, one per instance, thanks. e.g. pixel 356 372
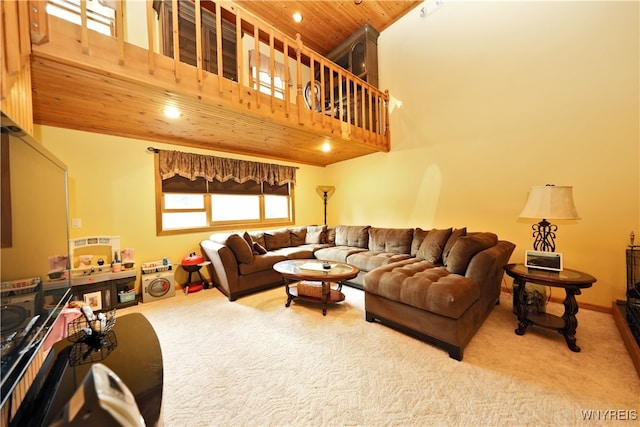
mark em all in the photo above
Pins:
pixel 81 329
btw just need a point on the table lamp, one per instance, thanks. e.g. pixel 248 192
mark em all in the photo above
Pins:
pixel 548 202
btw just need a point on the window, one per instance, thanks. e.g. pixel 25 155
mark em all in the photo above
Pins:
pixel 186 205
pixel 100 15
pixel 262 81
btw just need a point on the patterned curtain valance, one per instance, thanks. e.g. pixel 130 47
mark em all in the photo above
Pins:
pixel 193 166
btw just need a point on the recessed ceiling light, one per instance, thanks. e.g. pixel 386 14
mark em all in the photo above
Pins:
pixel 297 17
pixel 326 147
pixel 172 112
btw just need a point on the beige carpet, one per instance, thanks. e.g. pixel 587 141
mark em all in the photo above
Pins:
pixel 255 362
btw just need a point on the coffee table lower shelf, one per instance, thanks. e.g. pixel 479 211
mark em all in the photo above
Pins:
pixel 334 296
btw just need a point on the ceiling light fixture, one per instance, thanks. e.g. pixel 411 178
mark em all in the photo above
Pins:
pixel 297 17
pixel 172 112
pixel 326 147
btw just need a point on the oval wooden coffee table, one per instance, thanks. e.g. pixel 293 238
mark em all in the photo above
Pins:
pixel 309 280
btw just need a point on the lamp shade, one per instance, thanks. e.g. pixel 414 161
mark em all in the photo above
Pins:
pixel 325 190
pixel 550 202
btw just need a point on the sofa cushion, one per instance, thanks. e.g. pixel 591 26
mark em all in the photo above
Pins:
pixel 258 237
pixel 315 234
pixel 260 263
pixel 330 236
pixel 368 260
pixel 352 235
pixel 418 237
pixel 259 249
pixel 298 236
pixel 277 239
pixel 393 240
pixel 433 244
pixel 337 253
pixel 455 234
pixel 294 252
pixel 240 248
pixel 466 247
pixel 420 284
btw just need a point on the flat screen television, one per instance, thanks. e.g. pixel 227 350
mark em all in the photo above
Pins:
pixel 34 251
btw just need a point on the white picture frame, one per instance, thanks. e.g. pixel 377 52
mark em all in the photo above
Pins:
pixel 93 300
pixel 541 260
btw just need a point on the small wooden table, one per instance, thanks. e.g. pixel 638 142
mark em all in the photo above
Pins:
pixel 571 281
pixel 298 270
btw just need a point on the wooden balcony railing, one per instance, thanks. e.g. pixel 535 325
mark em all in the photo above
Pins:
pixel 320 91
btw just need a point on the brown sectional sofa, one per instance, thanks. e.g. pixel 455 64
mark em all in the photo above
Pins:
pixel 438 285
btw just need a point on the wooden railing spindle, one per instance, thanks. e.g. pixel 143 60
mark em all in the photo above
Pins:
pixel 219 48
pixel 176 38
pixel 84 30
pixel 151 37
pixel 198 11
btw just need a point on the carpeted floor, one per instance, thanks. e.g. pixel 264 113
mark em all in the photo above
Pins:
pixel 255 362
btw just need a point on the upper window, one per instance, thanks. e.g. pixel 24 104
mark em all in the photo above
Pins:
pixel 100 15
pixel 200 204
pixel 261 79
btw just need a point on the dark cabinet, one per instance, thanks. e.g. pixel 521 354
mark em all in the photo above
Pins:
pixel 359 54
pixel 187 42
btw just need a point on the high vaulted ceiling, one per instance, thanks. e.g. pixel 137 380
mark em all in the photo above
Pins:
pixel 326 24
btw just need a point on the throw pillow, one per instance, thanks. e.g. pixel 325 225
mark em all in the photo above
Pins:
pixel 418 237
pixel 455 234
pixel 246 236
pixel 433 245
pixel 259 249
pixel 277 239
pixel 240 248
pixel 465 248
pixel 315 234
pixel 298 236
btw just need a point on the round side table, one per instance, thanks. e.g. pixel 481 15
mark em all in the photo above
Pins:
pixel 572 281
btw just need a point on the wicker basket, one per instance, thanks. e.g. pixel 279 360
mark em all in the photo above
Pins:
pixel 312 289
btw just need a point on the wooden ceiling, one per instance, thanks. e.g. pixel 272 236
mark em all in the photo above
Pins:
pixel 326 24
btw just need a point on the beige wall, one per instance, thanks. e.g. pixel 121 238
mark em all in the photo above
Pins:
pixel 111 189
pixel 499 96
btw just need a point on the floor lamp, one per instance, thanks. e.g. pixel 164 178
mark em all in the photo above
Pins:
pixel 325 191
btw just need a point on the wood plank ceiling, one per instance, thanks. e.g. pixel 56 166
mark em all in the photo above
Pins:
pixel 326 24
pixel 69 98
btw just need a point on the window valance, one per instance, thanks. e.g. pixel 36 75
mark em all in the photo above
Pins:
pixel 193 166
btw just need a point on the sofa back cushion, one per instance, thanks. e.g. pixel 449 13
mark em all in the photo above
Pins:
pixel 277 239
pixel 240 248
pixel 465 248
pixel 433 244
pixel 352 235
pixel 391 240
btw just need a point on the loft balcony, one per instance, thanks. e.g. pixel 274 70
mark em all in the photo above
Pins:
pixel 85 80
